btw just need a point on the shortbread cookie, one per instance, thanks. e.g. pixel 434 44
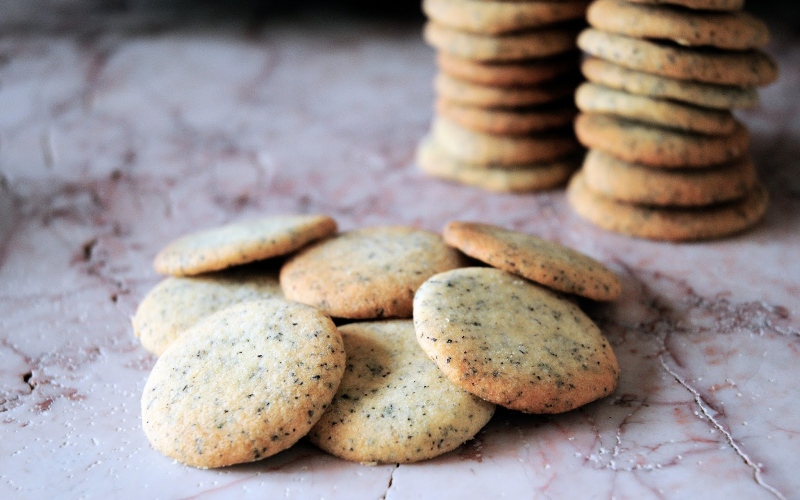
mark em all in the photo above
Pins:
pixel 670 224
pixel 241 243
pixel 511 179
pixel 636 142
pixel 178 303
pixel 394 405
pixel 507 74
pixel 496 17
pixel 741 68
pixel 736 30
pixel 636 82
pixel 519 121
pixel 367 273
pixel 512 342
pixel 718 5
pixel 461 91
pixel 539 260
pixel 594 98
pixel 243 384
pixel 633 183
pixel 510 47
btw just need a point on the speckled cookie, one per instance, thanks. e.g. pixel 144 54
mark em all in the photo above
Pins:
pixel 394 405
pixel 534 258
pixel 241 243
pixel 496 17
pixel 595 98
pixel 178 303
pixel 636 82
pixel 637 142
pixel 512 342
pixel 511 179
pixel 735 30
pixel 741 68
pixel 670 224
pixel 716 5
pixel 507 74
pixel 464 92
pixel 367 273
pixel 244 384
pixel 633 183
pixel 518 121
pixel 509 47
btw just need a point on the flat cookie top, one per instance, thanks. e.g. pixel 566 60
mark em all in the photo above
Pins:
pixel 512 342
pixel 492 17
pixel 539 260
pixel 490 96
pixel 178 303
pixel 517 121
pixel 244 384
pixel 394 405
pixel 508 74
pixel 718 5
pixel 367 273
pixel 241 243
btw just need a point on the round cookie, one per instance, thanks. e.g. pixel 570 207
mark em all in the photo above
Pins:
pixel 510 47
pixel 506 74
pixel 594 98
pixel 736 30
pixel 741 68
pixel 461 91
pixel 534 258
pixel 669 224
pixel 244 384
pixel 717 5
pixel 512 342
pixel 394 405
pixel 635 142
pixel 241 243
pixel 493 17
pixel 519 121
pixel 367 273
pixel 723 97
pixel 633 183
pixel 178 303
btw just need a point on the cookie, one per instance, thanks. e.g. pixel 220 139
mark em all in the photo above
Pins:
pixel 463 92
pixel 394 405
pixel 735 30
pixel 507 74
pixel 660 87
pixel 594 98
pixel 178 303
pixel 669 224
pixel 512 342
pixel 717 5
pixel 741 68
pixel 494 17
pixel 477 148
pixel 636 142
pixel 511 179
pixel 510 47
pixel 241 243
pixel 633 183
pixel 534 258
pixel 367 273
pixel 243 384
pixel 519 121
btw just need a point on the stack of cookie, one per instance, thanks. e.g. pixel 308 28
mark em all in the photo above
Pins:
pixel 668 160
pixel 507 73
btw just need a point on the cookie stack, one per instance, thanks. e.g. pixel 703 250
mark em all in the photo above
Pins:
pixel 668 160
pixel 507 73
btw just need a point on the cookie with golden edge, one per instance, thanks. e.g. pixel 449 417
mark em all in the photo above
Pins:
pixel 534 258
pixel 640 184
pixel 488 96
pixel 518 121
pixel 594 98
pixel 667 223
pixel 715 5
pixel 243 384
pixel 493 17
pixel 512 342
pixel 637 142
pixel 367 273
pixel 722 67
pixel 507 74
pixel 241 243
pixel 394 405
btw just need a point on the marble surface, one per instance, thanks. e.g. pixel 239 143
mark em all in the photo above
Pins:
pixel 114 142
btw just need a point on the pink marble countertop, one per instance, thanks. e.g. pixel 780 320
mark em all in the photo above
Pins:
pixel 113 143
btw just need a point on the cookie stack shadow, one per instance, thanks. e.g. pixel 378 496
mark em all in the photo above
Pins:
pixel 504 110
pixel 667 158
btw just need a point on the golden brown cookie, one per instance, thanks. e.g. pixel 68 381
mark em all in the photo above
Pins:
pixel 512 342
pixel 464 92
pixel 670 224
pixel 715 5
pixel 496 17
pixel 519 121
pixel 507 74
pixel 394 405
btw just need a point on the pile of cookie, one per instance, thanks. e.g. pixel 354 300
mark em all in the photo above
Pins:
pixel 426 341
pixel 504 110
pixel 668 160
